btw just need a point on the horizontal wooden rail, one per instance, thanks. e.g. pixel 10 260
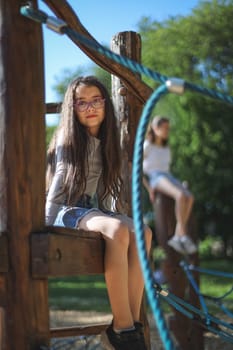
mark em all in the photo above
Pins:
pixel 53 107
pixel 75 331
pixel 60 251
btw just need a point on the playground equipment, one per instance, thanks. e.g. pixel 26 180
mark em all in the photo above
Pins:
pixel 169 86
pixel 31 252
pixel 25 267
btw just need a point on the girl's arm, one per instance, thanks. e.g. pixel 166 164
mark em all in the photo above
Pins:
pixel 55 197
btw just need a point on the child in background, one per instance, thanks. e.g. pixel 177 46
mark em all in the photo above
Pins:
pixel 83 182
pixel 156 166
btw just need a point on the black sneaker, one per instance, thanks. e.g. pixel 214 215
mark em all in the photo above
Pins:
pixel 128 340
pixel 139 328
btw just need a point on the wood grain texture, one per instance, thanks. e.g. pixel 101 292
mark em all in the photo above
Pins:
pixel 22 107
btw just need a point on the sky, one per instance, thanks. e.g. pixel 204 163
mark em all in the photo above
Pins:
pixel 103 19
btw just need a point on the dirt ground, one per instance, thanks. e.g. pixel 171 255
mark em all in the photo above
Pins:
pixel 71 318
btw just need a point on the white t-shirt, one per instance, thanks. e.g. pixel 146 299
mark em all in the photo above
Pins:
pixel 156 158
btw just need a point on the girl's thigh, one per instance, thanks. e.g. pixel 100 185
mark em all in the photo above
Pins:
pixel 104 223
pixel 171 186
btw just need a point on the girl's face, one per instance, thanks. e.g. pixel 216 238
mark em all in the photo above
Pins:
pixel 89 106
pixel 162 131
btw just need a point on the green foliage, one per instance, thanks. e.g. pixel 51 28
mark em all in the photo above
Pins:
pixel 198 48
pixel 79 293
pixel 49 133
pixel 216 286
pixel 69 74
pixel 210 247
pixel 103 76
pixel 66 77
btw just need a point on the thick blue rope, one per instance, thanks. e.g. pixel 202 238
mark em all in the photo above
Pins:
pixel 197 315
pixel 138 219
pixel 184 265
pixel 217 300
pixel 61 27
pixel 211 272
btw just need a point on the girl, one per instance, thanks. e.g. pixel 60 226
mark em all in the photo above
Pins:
pixel 156 163
pixel 83 184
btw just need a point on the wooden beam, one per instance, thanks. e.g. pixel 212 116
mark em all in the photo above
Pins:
pixel 66 252
pixel 129 110
pixel 4 264
pixel 136 86
pixel 75 331
pixel 22 108
pixel 53 107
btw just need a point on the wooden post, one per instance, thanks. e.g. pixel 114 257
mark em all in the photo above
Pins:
pixel 129 109
pixel 22 184
pixel 188 335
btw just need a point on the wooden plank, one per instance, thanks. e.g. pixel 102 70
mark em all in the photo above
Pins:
pixel 4 265
pixel 66 252
pixel 26 314
pixel 76 331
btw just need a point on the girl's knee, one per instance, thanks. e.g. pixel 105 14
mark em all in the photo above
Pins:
pixel 184 197
pixel 120 234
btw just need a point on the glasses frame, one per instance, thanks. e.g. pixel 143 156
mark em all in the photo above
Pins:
pixel 86 105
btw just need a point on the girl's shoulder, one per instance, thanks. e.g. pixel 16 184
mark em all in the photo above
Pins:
pixel 146 143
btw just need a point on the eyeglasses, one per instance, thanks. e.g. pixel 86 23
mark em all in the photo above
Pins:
pixel 82 106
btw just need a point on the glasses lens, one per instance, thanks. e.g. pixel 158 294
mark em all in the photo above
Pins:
pixel 98 103
pixel 83 105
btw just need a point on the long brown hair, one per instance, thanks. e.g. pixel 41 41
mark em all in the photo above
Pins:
pixel 75 143
pixel 156 121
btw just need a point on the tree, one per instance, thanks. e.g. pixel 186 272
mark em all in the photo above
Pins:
pixel 68 75
pixel 199 49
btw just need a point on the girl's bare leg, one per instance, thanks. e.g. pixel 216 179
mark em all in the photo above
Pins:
pixel 117 238
pixel 136 281
pixel 183 203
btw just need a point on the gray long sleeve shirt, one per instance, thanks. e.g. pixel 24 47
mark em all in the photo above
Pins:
pixel 56 198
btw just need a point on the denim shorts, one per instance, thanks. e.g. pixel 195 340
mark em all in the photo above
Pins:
pixel 156 176
pixel 71 216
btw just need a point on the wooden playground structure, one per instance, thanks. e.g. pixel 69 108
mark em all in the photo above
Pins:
pixel 30 252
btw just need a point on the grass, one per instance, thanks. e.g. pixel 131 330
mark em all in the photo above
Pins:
pixel 89 292
pixel 216 286
pixel 82 293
